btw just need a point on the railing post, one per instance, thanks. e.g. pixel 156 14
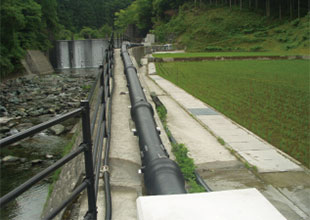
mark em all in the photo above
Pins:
pixel 92 208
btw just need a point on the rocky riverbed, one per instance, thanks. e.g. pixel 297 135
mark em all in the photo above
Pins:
pixel 27 101
pixel 33 99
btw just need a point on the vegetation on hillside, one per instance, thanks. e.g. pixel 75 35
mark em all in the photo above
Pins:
pixel 222 29
pixel 35 24
pixel 270 98
pixel 221 25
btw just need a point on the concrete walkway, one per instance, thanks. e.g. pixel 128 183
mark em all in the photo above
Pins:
pixel 280 178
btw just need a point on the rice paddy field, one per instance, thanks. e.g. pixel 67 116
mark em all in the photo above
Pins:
pixel 271 98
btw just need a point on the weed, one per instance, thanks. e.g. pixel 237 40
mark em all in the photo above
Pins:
pixel 221 141
pixel 180 151
pixel 56 174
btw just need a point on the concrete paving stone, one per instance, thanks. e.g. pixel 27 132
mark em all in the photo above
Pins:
pixel 251 145
pixel 230 178
pixel 300 197
pixel 124 203
pixel 186 100
pixel 201 144
pixel 217 121
pixel 125 173
pixel 220 165
pixel 284 204
pixel 294 185
pixel 269 161
pixel 144 61
pixel 151 69
pixel 242 178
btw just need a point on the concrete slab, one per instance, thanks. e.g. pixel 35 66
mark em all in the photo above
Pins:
pixel 251 145
pixel 284 204
pixel 122 205
pixel 151 69
pixel 186 100
pixel 144 61
pixel 293 185
pixel 269 161
pixel 201 144
pixel 241 178
pixel 234 204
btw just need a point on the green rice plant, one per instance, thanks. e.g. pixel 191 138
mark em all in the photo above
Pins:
pixel 269 97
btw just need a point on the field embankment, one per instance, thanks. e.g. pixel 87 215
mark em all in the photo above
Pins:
pixel 270 98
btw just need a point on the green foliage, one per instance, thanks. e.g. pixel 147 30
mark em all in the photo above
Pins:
pixel 256 48
pixel 162 113
pixel 214 28
pixel 21 29
pixel 138 13
pixel 270 98
pixel 213 48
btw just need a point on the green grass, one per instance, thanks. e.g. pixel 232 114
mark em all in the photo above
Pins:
pixel 224 29
pixel 222 54
pixel 270 98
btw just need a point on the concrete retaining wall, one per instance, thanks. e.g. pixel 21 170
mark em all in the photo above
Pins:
pixel 71 173
pixel 37 63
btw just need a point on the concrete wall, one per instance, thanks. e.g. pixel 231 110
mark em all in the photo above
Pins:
pixel 79 53
pixel 72 173
pixel 36 62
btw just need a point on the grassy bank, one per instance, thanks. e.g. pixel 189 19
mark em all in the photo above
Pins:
pixel 225 54
pixel 210 28
pixel 270 98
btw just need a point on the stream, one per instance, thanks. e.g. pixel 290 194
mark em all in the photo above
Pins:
pixel 27 101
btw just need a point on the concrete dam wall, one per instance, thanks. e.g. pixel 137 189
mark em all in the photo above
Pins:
pixel 79 53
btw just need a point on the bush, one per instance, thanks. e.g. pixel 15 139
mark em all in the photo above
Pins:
pixel 282 39
pixel 295 23
pixel 256 48
pixel 248 31
pixel 213 48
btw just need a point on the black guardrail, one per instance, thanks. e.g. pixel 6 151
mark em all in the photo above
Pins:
pixel 161 175
pixel 92 153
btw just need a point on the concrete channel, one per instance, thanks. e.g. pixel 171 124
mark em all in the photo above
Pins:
pixel 283 181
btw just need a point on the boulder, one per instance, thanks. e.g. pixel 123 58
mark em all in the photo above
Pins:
pixel 9 159
pixel 57 129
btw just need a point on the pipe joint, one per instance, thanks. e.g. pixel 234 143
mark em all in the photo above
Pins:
pixel 139 104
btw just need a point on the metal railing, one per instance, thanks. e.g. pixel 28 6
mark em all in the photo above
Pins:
pixel 92 154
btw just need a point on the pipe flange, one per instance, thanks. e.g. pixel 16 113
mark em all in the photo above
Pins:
pixel 105 168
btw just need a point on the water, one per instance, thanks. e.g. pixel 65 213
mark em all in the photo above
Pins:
pixel 30 204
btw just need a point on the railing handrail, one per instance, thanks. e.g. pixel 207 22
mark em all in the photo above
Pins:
pixel 91 180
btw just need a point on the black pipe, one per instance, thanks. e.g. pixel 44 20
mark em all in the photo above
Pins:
pixel 161 175
pixel 109 94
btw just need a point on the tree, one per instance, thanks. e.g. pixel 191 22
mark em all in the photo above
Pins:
pixel 21 29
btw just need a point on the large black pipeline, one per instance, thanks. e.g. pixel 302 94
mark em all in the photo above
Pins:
pixel 161 175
